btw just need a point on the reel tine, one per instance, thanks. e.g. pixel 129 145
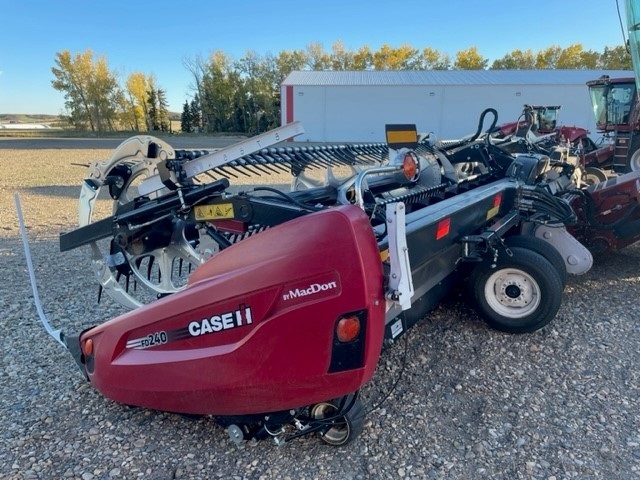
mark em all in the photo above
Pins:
pixel 149 267
pixel 275 166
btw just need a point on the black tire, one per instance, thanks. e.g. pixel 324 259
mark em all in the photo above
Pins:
pixel 343 429
pixel 521 294
pixel 545 249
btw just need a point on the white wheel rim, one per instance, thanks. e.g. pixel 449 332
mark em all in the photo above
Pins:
pixel 512 293
pixel 634 161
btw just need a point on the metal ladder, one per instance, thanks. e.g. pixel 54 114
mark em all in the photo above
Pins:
pixel 621 151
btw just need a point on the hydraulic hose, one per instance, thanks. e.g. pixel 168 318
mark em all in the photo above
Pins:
pixel 545 203
pixel 479 129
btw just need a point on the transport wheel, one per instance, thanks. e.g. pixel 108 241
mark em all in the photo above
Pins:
pixel 543 248
pixel 593 175
pixel 343 428
pixel 521 294
pixel 633 160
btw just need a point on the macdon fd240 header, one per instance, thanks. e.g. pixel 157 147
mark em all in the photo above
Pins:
pixel 268 308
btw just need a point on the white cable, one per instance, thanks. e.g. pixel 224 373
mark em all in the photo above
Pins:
pixel 56 334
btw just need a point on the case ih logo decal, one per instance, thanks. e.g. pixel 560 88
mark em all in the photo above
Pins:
pixel 310 290
pixel 224 321
pixel 216 323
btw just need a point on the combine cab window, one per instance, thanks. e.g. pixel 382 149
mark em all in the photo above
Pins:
pixel 612 103
pixel 548 119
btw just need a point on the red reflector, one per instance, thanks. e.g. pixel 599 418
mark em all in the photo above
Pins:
pixel 497 200
pixel 443 228
pixel 348 329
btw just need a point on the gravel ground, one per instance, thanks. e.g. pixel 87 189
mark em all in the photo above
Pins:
pixel 557 404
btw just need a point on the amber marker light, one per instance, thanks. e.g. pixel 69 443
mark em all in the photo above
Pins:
pixel 87 347
pixel 410 166
pixel 348 329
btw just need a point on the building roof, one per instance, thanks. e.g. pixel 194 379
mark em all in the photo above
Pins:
pixel 448 77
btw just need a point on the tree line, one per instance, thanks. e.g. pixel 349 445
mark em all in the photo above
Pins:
pixel 243 95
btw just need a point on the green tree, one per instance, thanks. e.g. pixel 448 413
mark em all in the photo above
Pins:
pixel 288 61
pixel 137 86
pixel 164 123
pixel 185 118
pixel 197 67
pixel 404 57
pixel 220 94
pixel 125 116
pixel 195 113
pixel 470 59
pixel 574 57
pixel 152 109
pixel 91 91
pixel 590 59
pixel 516 60
pixel 616 58
pixel 548 58
pixel 432 59
pixel 244 95
pixel 104 91
pixel 317 58
pixel 341 58
pixel 72 78
pixel 261 87
pixel 362 58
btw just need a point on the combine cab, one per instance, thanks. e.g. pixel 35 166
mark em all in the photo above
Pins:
pixel 538 130
pixel 539 119
pixel 615 108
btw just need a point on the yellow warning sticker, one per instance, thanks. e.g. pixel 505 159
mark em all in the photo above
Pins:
pixel 405 136
pixel 218 211
pixel 492 212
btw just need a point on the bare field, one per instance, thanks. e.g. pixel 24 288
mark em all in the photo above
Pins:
pixel 48 182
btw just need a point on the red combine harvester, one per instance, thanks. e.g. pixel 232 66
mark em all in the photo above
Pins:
pixel 615 105
pixel 536 120
pixel 537 130
pixel 269 309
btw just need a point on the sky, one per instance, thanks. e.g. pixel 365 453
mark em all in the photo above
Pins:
pixel 157 37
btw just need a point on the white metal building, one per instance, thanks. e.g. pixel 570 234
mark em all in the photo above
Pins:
pixel 354 106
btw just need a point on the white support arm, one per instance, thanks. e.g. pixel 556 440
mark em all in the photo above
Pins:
pixel 400 281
